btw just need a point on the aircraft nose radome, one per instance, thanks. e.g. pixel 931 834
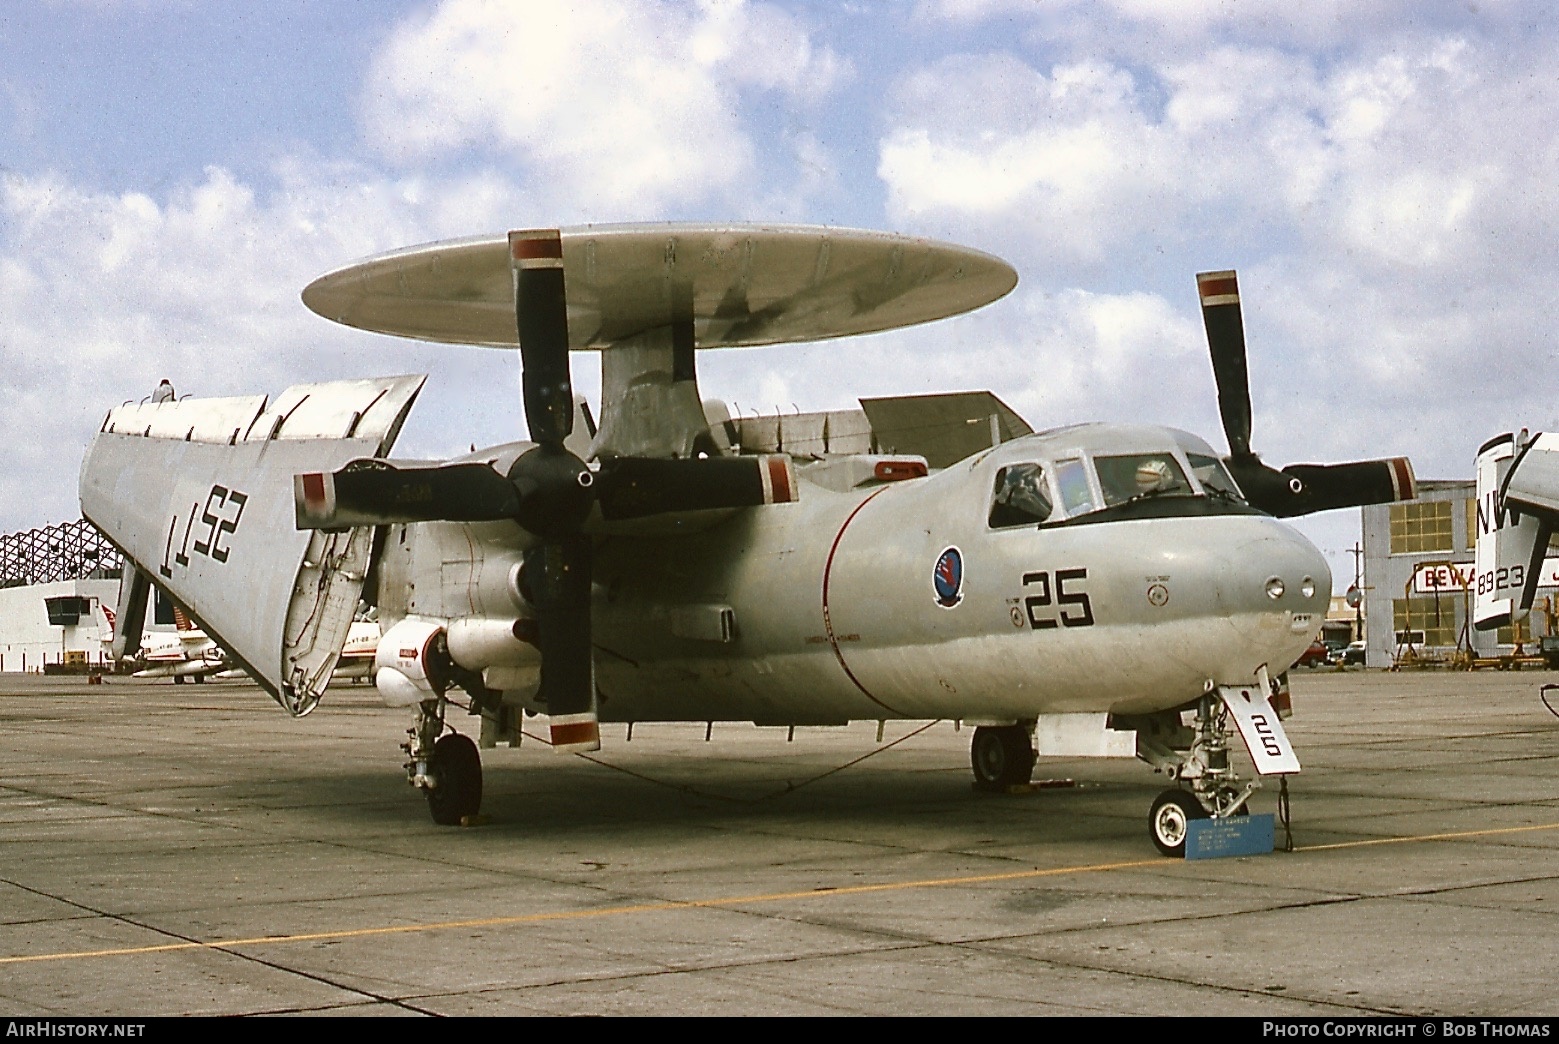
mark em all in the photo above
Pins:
pixel 1276 587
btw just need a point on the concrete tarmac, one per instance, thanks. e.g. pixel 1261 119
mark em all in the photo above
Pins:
pixel 173 850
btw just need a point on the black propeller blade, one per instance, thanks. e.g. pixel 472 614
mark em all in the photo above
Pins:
pixel 554 490
pixel 541 313
pixel 1299 488
pixel 1327 486
pixel 1220 293
pixel 373 492
pixel 634 487
pixel 557 579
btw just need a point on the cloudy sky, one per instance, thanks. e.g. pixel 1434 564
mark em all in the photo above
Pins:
pixel 1382 173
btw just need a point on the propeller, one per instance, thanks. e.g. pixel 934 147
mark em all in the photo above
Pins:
pixel 1298 489
pixel 548 490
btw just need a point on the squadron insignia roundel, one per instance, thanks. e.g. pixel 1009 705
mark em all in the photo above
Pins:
pixel 947 579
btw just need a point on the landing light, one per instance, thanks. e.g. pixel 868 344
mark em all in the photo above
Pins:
pixel 1307 587
pixel 1275 588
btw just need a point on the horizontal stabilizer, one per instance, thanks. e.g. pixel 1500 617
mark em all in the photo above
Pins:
pixel 943 428
pixel 129 620
pixel 1532 483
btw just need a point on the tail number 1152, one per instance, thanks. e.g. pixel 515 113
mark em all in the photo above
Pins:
pixel 207 525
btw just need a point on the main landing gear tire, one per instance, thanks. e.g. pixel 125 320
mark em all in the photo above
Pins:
pixel 456 768
pixel 1001 756
pixel 1170 820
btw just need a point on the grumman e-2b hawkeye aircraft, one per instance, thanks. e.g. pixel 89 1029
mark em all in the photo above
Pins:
pixel 674 564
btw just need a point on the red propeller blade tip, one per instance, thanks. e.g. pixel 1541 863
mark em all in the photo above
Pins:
pixel 573 733
pixel 536 247
pixel 1218 288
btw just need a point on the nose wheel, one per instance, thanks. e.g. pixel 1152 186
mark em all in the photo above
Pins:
pixel 1002 756
pixel 1170 820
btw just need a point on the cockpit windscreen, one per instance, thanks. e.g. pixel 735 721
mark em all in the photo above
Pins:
pixel 1213 476
pixel 1020 497
pixel 1129 477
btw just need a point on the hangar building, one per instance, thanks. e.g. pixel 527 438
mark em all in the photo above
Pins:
pixel 54 583
pixel 1418 582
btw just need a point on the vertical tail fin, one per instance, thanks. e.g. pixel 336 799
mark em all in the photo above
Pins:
pixel 104 617
pixel 1512 538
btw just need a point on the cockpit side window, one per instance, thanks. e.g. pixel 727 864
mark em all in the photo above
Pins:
pixel 1140 475
pixel 1213 476
pixel 1076 494
pixel 1020 497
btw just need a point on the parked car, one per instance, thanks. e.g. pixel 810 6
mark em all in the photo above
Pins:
pixel 1317 655
pixel 1354 653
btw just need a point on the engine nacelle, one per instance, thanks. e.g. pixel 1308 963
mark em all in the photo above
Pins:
pixel 477 642
pixel 411 664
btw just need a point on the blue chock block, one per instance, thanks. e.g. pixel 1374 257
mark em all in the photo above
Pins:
pixel 1234 836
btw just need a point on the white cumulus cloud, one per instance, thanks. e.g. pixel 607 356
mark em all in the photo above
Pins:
pixel 632 106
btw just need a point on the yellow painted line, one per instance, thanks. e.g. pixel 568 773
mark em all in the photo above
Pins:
pixel 571 915
pixel 1458 835
pixel 696 904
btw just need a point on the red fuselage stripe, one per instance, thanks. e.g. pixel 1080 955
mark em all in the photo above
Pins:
pixel 828 626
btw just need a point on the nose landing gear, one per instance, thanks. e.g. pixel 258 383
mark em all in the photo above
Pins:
pixel 1197 757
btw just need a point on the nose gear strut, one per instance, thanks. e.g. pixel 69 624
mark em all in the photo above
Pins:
pixel 1196 757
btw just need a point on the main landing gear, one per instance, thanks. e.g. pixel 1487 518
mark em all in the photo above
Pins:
pixel 1002 756
pixel 1197 758
pixel 447 768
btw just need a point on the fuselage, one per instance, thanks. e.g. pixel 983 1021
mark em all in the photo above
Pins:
pixel 179 654
pixel 942 596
